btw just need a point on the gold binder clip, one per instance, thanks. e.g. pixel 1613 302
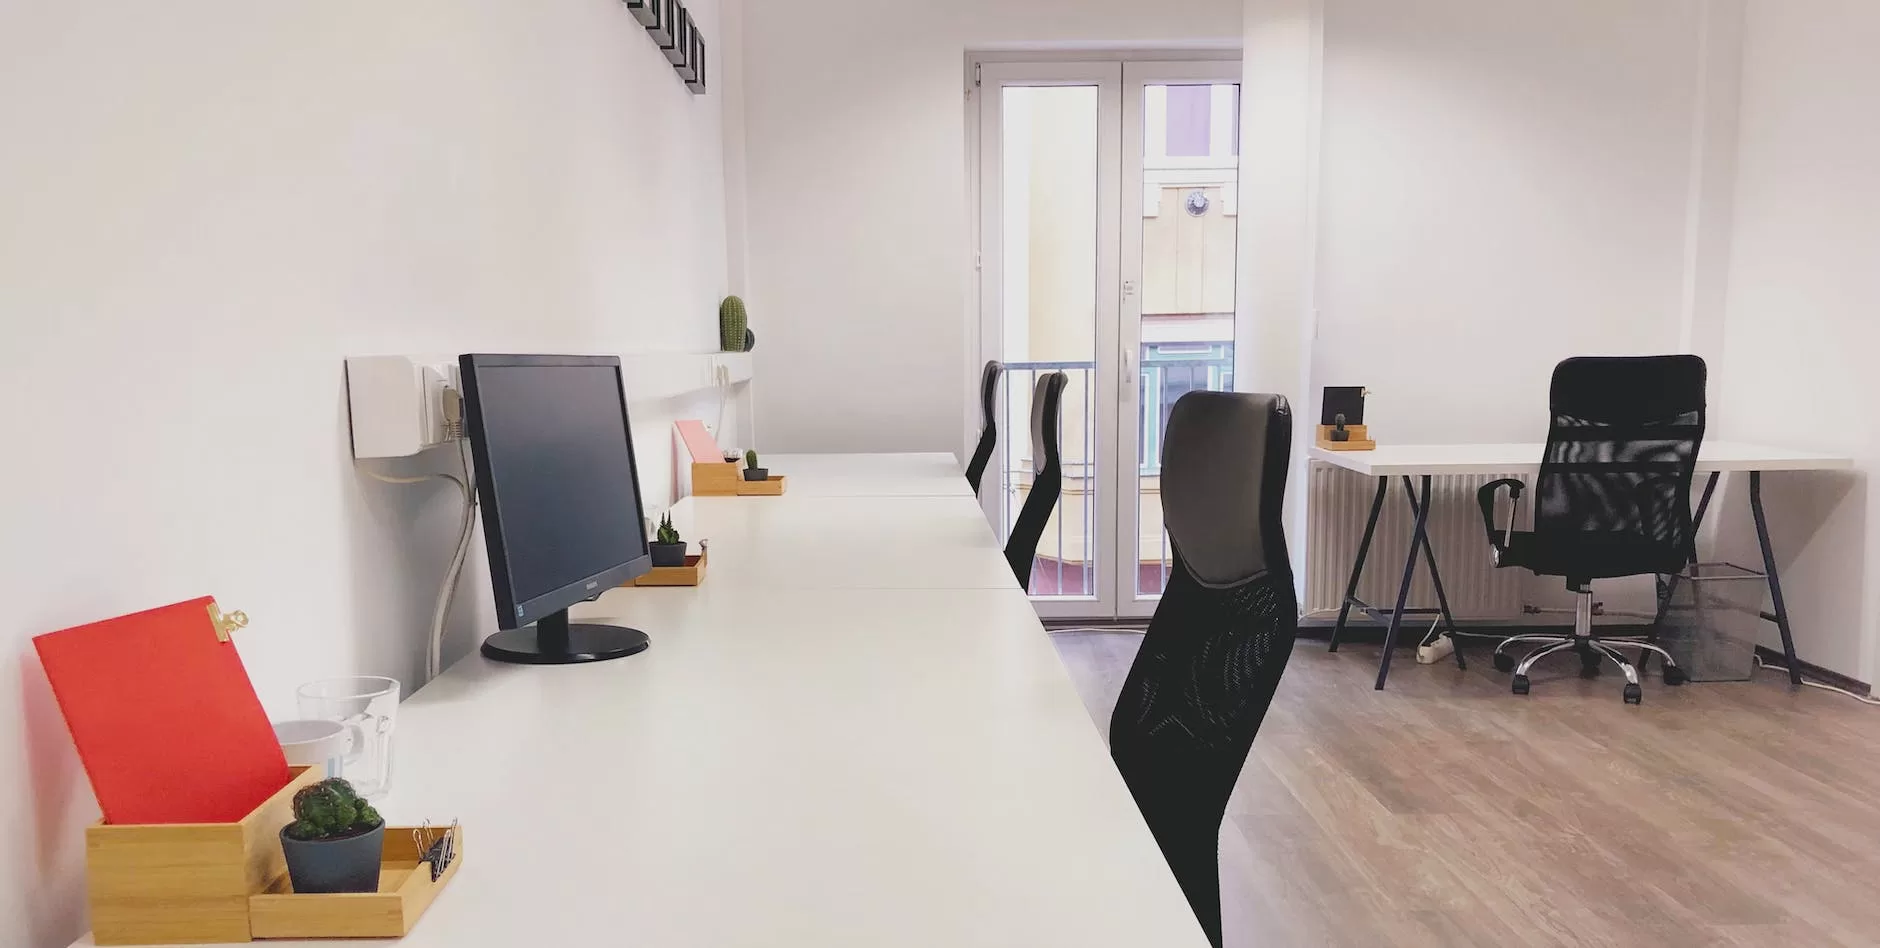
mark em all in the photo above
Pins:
pixel 226 623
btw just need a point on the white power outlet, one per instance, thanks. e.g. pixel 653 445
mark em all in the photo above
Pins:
pixel 1442 647
pixel 401 405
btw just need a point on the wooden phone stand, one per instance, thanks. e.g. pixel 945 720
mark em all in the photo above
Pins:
pixel 1360 438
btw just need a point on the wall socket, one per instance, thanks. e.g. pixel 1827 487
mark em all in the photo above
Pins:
pixel 402 405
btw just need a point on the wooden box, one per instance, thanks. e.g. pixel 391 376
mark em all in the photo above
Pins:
pixel 716 480
pixel 1360 439
pixel 405 891
pixel 772 487
pixel 186 883
pixel 691 574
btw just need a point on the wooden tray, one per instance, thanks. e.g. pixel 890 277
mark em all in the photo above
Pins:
pixel 186 883
pixel 1360 439
pixel 716 479
pixel 405 891
pixel 769 488
pixel 691 574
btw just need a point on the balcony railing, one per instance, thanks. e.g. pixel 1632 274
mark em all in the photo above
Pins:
pixel 1065 565
pixel 1066 562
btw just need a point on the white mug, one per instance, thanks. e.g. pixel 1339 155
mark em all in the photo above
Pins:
pixel 315 744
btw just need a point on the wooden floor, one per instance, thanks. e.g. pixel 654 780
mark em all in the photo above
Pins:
pixel 1447 812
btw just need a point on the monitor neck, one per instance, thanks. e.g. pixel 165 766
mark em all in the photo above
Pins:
pixel 551 633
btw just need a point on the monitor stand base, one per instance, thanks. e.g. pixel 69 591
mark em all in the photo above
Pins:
pixel 555 641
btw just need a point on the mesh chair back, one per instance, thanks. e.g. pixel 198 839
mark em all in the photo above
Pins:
pixel 1047 481
pixel 1620 455
pixel 1221 636
pixel 989 424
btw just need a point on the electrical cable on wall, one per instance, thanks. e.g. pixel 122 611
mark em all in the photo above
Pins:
pixel 724 396
pixel 447 591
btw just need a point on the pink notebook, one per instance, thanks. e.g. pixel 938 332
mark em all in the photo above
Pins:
pixel 699 442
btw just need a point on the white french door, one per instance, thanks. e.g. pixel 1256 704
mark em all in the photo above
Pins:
pixel 1108 203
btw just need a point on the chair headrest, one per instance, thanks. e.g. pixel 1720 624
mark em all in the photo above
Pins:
pixel 1044 419
pixel 1619 390
pixel 1224 464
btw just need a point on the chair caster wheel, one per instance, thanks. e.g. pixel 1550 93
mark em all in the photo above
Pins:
pixel 1634 694
pixel 1504 662
pixel 1589 664
pixel 1675 676
pixel 1520 684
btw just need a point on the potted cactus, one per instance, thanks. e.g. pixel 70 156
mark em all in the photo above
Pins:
pixel 667 546
pixel 751 471
pixel 733 328
pixel 335 841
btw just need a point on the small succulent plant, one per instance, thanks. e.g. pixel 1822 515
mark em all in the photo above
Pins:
pixel 750 460
pixel 331 809
pixel 667 532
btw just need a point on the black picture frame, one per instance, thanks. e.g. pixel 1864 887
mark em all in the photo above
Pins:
pixel 680 49
pixel 645 11
pixel 665 16
pixel 697 82
pixel 1347 400
pixel 694 64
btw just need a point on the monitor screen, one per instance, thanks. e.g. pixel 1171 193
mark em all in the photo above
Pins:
pixel 556 474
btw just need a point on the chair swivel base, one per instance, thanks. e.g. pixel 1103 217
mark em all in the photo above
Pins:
pixel 1593 652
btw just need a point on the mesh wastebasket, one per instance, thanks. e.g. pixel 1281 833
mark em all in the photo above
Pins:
pixel 1712 621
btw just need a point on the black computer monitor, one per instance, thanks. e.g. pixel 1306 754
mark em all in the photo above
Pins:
pixel 561 500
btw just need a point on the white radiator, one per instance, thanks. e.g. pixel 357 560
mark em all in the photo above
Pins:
pixel 1337 505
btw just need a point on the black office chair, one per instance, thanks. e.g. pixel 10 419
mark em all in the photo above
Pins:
pixel 1221 636
pixel 1047 480
pixel 1613 498
pixel 988 426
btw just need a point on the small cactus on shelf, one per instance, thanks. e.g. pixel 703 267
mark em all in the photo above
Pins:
pixel 331 809
pixel 667 532
pixel 732 323
pixel 750 460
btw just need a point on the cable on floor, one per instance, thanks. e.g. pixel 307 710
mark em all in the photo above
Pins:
pixel 1863 699
pixel 1104 630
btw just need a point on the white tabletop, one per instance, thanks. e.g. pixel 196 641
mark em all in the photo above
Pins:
pixel 871 475
pixel 846 542
pixel 788 766
pixel 1390 460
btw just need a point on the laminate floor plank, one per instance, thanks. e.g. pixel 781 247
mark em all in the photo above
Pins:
pixel 1447 812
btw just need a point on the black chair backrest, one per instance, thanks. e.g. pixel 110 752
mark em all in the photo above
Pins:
pixel 1221 636
pixel 989 423
pixel 1621 452
pixel 1047 480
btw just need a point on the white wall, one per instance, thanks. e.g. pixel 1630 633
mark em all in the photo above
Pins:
pixel 210 203
pixel 1504 184
pixel 857 201
pixel 1804 310
pixel 1276 273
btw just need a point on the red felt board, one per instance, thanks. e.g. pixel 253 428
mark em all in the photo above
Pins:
pixel 168 726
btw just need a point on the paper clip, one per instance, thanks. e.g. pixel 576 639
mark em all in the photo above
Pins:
pixel 441 851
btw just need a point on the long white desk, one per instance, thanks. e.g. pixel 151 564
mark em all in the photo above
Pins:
pixel 791 764
pixel 1399 460
pixel 1424 461
pixel 846 542
pixel 871 475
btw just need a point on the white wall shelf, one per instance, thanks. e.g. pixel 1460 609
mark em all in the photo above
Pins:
pixel 652 376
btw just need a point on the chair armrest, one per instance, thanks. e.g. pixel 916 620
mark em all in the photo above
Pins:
pixel 1486 498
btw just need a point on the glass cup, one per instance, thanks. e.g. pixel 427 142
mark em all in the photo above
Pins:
pixel 368 707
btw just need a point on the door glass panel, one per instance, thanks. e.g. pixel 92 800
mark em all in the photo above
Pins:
pixel 1190 217
pixel 1049 213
